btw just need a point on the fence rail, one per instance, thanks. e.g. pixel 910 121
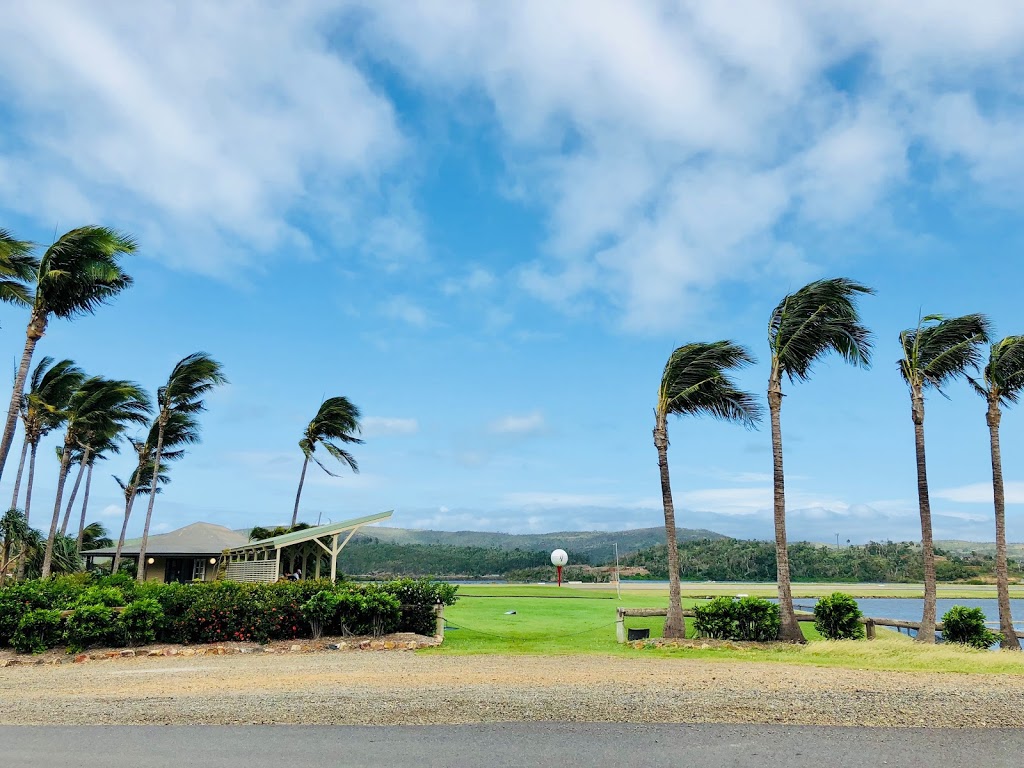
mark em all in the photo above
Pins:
pixel 869 622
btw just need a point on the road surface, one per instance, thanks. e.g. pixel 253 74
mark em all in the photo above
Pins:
pixel 513 744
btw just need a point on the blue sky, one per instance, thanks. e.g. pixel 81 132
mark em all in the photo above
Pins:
pixel 489 224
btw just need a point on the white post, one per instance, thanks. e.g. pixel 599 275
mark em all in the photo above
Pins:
pixel 620 626
pixel 277 573
pixel 618 578
pixel 334 558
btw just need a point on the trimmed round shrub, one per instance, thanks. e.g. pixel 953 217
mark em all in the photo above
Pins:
pixel 139 622
pixel 37 631
pixel 756 619
pixel 88 626
pixel 715 619
pixel 966 626
pixel 836 617
pixel 320 611
pixel 112 597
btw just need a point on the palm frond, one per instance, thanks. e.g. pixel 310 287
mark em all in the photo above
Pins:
pixel 336 421
pixel 819 318
pixel 17 269
pixel 81 271
pixel 941 349
pixel 696 381
pixel 1003 377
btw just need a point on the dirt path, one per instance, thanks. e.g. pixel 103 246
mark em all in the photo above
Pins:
pixel 409 688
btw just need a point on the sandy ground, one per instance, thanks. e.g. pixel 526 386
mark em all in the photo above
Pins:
pixel 383 687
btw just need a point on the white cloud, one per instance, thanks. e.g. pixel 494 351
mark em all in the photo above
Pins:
pixel 477 280
pixel 207 130
pixel 525 424
pixel 981 493
pixel 382 426
pixel 407 311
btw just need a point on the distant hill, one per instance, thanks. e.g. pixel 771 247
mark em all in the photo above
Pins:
pixel 595 546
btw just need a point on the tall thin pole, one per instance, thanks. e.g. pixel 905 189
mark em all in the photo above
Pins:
pixel 618 577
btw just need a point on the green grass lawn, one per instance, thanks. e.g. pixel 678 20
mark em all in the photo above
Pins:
pixel 551 620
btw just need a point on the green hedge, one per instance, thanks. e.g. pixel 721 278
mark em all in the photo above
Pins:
pixel 749 618
pixel 206 612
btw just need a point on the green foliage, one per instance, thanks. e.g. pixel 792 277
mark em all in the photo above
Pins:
pixel 37 631
pixel 88 626
pixel 750 618
pixel 696 381
pixel 112 597
pixel 715 619
pixel 835 617
pixel 320 611
pixel 756 619
pixel 967 627
pixel 139 622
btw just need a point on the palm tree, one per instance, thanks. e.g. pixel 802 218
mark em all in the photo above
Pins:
pixel 1001 384
pixel 76 275
pixel 695 382
pixel 140 483
pixel 94 407
pixel 42 410
pixel 337 421
pixel 937 351
pixel 94 536
pixel 191 379
pixel 17 269
pixel 806 325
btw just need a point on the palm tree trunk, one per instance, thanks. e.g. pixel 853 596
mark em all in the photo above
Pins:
pixel 28 501
pixel 85 505
pixel 129 502
pixel 140 573
pixel 65 465
pixel 298 493
pixel 21 469
pixel 74 493
pixel 674 625
pixel 789 627
pixel 1002 573
pixel 35 331
pixel 926 634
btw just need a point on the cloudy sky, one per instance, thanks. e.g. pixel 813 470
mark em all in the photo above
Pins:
pixel 488 224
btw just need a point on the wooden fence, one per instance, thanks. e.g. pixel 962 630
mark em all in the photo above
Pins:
pixel 869 622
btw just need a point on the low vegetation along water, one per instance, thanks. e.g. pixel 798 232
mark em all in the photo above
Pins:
pixel 909 608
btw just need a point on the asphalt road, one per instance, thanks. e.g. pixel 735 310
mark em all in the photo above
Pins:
pixel 516 744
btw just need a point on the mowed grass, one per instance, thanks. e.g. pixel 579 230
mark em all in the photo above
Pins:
pixel 550 620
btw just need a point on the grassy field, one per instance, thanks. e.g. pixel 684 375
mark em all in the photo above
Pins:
pixel 570 620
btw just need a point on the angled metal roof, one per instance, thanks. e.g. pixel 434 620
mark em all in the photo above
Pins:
pixel 194 539
pixel 308 534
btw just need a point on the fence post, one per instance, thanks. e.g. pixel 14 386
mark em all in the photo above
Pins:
pixel 620 626
pixel 869 625
pixel 439 613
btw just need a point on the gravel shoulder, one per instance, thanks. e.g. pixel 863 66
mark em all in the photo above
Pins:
pixel 392 688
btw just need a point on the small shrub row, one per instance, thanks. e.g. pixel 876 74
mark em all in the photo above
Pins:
pixel 206 612
pixel 748 618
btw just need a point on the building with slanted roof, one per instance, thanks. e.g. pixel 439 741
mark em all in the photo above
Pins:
pixel 205 551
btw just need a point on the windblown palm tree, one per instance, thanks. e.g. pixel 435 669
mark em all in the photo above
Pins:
pixel 94 407
pixel 806 325
pixel 695 382
pixel 937 351
pixel 1001 384
pixel 104 437
pixel 14 533
pixel 43 409
pixel 94 536
pixel 99 453
pixel 190 381
pixel 76 275
pixel 17 269
pixel 337 421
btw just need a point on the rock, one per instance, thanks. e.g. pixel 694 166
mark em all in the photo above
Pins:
pixel 155 652
pixel 81 657
pixel 364 645
pixel 221 650
pixel 113 654
pixel 412 645
pixel 187 652
pixel 170 651
pixel 389 645
pixel 295 648
pixel 127 653
pixel 337 646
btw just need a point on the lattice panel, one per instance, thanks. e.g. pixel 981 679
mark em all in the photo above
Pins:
pixel 264 571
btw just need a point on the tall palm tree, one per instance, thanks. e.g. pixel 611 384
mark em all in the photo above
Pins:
pixel 191 379
pixel 937 351
pixel 103 437
pixel 17 269
pixel 94 536
pixel 140 483
pixel 1001 384
pixel 43 408
pixel 695 382
pixel 337 421
pixel 76 275
pixel 806 325
pixel 94 407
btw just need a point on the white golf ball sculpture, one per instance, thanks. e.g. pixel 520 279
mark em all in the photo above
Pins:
pixel 558 559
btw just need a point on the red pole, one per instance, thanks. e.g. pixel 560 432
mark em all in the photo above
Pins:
pixel 559 575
